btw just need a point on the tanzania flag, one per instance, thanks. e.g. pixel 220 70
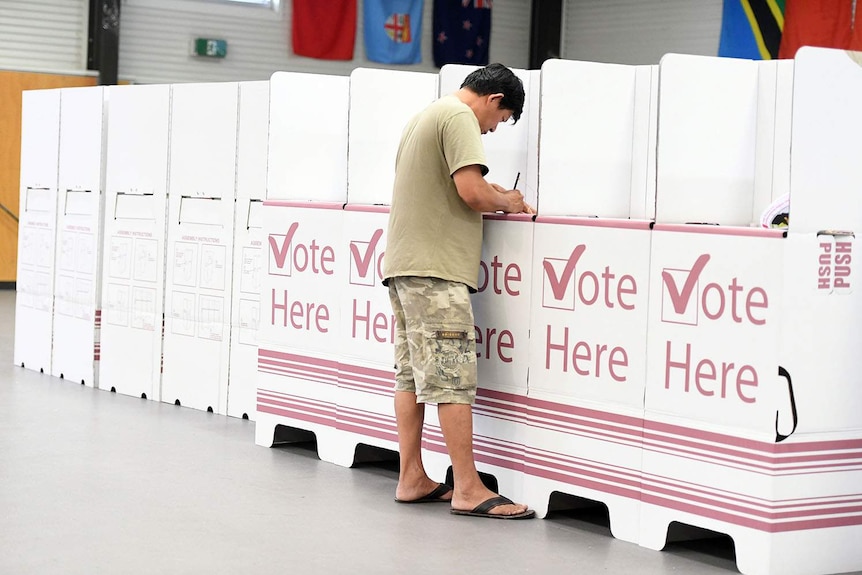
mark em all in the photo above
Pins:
pixel 462 32
pixel 393 31
pixel 324 30
pixel 823 23
pixel 751 29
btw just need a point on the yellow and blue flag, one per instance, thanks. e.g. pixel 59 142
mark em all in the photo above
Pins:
pixel 393 31
pixel 751 29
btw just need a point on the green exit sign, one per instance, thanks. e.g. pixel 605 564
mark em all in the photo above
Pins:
pixel 209 47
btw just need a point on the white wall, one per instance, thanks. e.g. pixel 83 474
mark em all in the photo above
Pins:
pixel 46 35
pixel 639 31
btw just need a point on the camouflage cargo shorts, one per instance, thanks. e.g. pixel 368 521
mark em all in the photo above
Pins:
pixel 435 342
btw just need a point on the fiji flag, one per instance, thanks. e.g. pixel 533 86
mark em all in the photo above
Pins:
pixel 751 29
pixel 462 32
pixel 393 30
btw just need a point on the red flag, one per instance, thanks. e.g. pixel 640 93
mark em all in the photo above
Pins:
pixel 824 23
pixel 324 30
pixel 856 41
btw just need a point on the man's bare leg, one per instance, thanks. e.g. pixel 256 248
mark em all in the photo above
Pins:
pixel 413 481
pixel 456 420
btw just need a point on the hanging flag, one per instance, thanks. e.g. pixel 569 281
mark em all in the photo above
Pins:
pixel 393 30
pixel 824 23
pixel 324 30
pixel 462 32
pixel 751 29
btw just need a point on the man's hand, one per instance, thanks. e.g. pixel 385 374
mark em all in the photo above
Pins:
pixel 515 201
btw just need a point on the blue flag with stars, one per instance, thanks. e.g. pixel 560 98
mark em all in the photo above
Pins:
pixel 462 32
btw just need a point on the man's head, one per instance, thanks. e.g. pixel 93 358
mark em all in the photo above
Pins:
pixel 500 95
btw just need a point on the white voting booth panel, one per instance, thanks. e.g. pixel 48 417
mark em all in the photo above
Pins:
pixel 588 364
pixel 201 198
pixel 707 135
pixel 308 137
pixel 298 337
pixel 37 228
pixel 135 233
pixel 251 160
pixel 772 144
pixel 597 142
pixel 365 402
pixel 381 104
pixel 80 217
pixel 819 344
pixel 512 150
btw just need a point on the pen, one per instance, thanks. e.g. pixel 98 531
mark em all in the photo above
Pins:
pixel 518 177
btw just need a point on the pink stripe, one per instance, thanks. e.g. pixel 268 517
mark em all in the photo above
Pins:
pixel 381 373
pixel 719 230
pixel 315 205
pixel 591 427
pixel 541 455
pixel 369 390
pixel 750 444
pixel 363 382
pixel 299 400
pixel 299 368
pixel 604 477
pixel 375 209
pixel 502 396
pixel 753 523
pixel 327 421
pixel 583 412
pixel 367 432
pixel 323 412
pixel 581 482
pixel 595 222
pixel 509 217
pixel 263 365
pixel 329 363
pixel 296 375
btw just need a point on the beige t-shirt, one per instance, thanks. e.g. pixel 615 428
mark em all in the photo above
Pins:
pixel 432 232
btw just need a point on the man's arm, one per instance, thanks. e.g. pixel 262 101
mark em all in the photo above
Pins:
pixel 484 197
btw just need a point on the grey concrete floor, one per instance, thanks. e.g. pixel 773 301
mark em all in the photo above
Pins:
pixel 93 482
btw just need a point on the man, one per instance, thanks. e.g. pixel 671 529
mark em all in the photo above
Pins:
pixel 431 266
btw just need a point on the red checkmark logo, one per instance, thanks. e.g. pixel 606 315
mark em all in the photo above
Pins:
pixel 364 261
pixel 680 298
pixel 280 252
pixel 559 285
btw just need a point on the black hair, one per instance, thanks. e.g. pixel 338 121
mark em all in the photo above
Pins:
pixel 496 78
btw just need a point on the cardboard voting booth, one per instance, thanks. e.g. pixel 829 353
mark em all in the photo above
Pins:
pixel 248 254
pixel 298 341
pixel 135 235
pixel 366 377
pixel 298 338
pixel 80 221
pixel 37 228
pixel 198 288
pixel 747 427
pixel 588 303
pixel 382 102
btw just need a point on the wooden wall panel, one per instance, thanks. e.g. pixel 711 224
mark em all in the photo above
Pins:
pixel 11 85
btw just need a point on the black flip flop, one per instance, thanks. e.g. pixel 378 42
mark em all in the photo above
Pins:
pixel 482 510
pixel 436 496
